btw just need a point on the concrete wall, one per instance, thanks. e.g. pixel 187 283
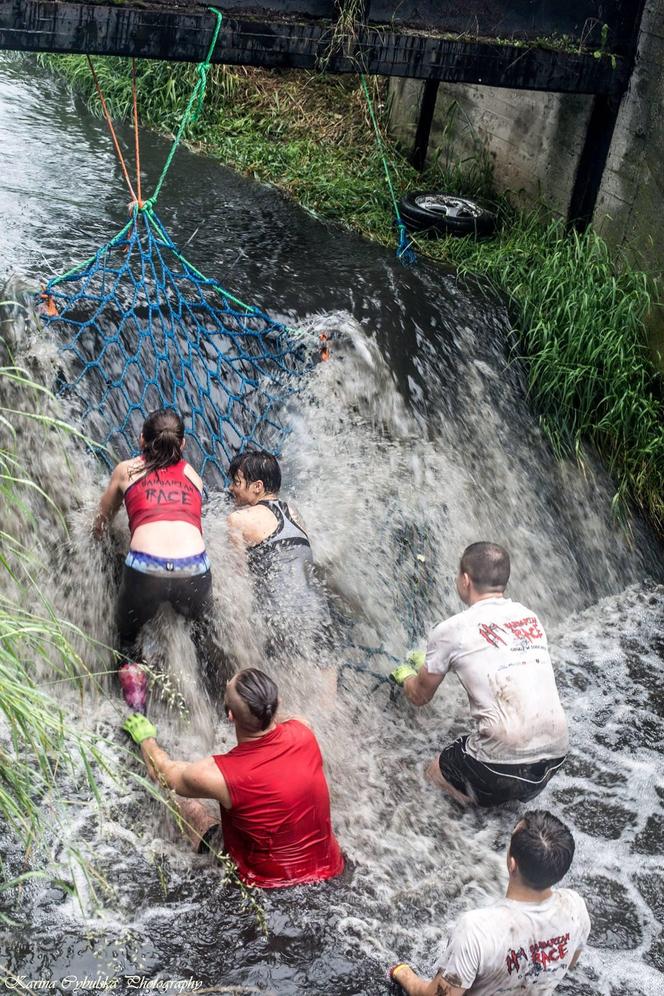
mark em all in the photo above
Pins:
pixel 535 140
pixel 629 206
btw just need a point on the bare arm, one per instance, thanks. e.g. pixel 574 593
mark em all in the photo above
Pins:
pixel 248 526
pixel 195 478
pixel 236 531
pixel 193 780
pixel 110 502
pixel 412 984
pixel 421 688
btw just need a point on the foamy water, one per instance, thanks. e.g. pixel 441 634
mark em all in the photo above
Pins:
pixel 388 534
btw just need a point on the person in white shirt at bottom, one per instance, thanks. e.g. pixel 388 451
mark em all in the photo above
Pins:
pixel 498 650
pixel 524 943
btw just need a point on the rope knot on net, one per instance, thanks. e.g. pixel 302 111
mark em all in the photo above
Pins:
pixel 141 328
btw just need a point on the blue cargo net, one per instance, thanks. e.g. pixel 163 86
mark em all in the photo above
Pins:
pixel 143 329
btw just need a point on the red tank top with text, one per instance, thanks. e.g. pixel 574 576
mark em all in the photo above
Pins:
pixel 279 830
pixel 165 495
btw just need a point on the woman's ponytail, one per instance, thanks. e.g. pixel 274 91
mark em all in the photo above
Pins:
pixel 163 435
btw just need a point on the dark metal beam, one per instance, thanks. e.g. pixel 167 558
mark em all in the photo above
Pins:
pixel 599 136
pixel 175 35
pixel 579 22
pixel 592 161
pixel 424 121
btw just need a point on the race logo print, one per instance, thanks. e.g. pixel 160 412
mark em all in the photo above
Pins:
pixel 491 633
pixel 543 956
pixel 523 631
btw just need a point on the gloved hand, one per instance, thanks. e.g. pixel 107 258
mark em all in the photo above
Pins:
pixel 139 727
pixel 414 662
pixel 392 972
pixel 417 658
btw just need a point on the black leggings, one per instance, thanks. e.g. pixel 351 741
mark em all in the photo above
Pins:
pixel 141 595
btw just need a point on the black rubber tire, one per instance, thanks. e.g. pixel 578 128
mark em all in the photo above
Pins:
pixel 444 214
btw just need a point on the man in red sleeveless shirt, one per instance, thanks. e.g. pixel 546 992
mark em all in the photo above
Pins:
pixel 273 796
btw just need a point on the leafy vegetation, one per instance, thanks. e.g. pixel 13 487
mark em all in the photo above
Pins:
pixel 579 312
pixel 581 324
pixel 38 747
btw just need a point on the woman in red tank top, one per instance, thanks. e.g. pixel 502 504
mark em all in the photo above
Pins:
pixel 166 561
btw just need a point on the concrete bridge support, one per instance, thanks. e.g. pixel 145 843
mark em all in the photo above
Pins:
pixel 535 141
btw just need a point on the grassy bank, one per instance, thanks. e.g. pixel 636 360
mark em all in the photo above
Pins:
pixel 40 750
pixel 579 313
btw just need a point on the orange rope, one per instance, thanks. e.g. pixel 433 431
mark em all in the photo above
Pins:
pixel 136 142
pixel 111 129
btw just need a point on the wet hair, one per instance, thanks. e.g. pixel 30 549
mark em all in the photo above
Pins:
pixel 259 696
pixel 487 565
pixel 257 465
pixel 163 435
pixel 542 847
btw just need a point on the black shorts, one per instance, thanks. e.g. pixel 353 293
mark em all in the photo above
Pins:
pixel 489 784
pixel 141 595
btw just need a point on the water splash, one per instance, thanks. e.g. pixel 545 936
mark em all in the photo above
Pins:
pixel 414 439
pixel 390 497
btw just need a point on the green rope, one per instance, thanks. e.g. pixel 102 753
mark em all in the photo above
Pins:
pixel 381 145
pixel 190 115
pixel 86 262
pixel 404 252
pixel 156 224
pixel 198 95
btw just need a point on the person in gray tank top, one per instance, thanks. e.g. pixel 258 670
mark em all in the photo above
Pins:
pixel 279 554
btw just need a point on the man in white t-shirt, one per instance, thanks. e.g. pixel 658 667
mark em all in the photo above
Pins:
pixel 498 650
pixel 524 943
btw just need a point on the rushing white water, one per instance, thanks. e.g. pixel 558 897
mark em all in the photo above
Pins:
pixel 413 440
pixel 367 479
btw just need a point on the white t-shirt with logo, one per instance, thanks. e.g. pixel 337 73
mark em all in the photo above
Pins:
pixel 516 947
pixel 498 650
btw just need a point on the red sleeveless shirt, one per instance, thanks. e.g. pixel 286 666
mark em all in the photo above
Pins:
pixel 165 495
pixel 279 831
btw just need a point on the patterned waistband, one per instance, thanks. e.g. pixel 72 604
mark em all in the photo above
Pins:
pixel 146 563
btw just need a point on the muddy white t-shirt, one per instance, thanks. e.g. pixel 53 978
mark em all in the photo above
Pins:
pixel 498 650
pixel 516 947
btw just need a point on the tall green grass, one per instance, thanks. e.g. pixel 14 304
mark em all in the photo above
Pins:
pixel 39 748
pixel 580 313
pixel 579 310
pixel 164 89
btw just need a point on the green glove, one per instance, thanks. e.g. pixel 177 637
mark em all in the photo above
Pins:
pixel 417 658
pixel 139 727
pixel 414 662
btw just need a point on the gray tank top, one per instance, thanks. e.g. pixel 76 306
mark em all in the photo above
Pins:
pixel 283 565
pixel 288 536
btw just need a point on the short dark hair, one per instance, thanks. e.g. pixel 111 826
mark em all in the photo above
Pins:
pixel 257 465
pixel 487 565
pixel 542 847
pixel 260 695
